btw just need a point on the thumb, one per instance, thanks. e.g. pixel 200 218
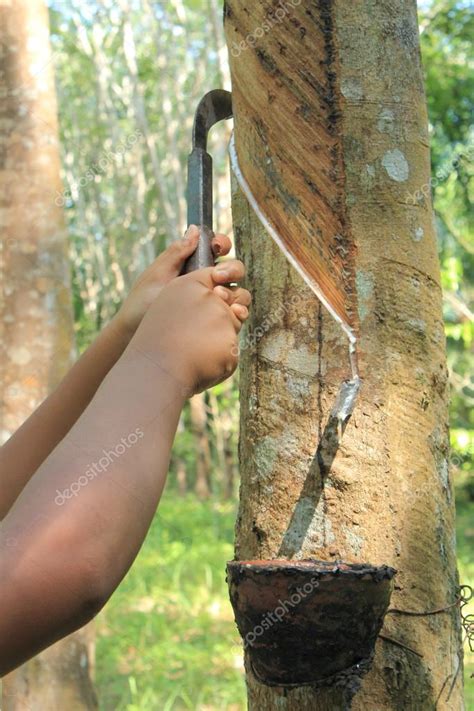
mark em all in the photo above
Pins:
pixel 173 258
pixel 202 276
pixel 226 272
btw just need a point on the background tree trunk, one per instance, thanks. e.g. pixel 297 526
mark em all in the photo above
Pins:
pixel 36 315
pixel 386 498
pixel 198 417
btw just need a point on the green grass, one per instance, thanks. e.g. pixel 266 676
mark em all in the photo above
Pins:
pixel 167 639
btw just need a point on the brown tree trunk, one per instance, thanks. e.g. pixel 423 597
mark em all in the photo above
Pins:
pixel 180 467
pixel 197 409
pixel 222 426
pixel 342 82
pixel 35 312
pixel 229 469
pixel 218 437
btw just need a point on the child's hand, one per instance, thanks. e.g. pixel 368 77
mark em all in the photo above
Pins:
pixel 191 329
pixel 165 268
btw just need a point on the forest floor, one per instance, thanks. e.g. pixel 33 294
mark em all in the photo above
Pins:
pixel 167 638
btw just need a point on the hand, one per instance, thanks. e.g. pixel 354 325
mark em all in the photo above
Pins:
pixel 165 268
pixel 191 329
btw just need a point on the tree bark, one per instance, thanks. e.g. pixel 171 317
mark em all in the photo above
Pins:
pixel 198 416
pixel 35 311
pixel 347 75
pixel 181 478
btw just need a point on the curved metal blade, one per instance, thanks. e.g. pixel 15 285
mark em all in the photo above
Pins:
pixel 214 106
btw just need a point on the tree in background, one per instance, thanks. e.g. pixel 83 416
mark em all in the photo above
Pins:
pixel 352 72
pixel 129 78
pixel 35 312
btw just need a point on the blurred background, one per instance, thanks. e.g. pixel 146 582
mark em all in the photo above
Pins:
pixel 129 74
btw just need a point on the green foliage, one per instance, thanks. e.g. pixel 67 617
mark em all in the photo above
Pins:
pixel 167 639
pixel 446 43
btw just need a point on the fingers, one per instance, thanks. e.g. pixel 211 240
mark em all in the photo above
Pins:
pixel 238 300
pixel 175 255
pixel 170 262
pixel 228 271
pixel 221 245
pixel 240 311
pixel 223 273
pixel 217 278
pixel 234 295
pixel 181 249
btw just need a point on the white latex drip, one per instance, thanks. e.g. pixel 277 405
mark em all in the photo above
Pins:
pixel 313 285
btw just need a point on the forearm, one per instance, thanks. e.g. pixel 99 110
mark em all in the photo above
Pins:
pixel 85 513
pixel 122 445
pixel 80 520
pixel 25 451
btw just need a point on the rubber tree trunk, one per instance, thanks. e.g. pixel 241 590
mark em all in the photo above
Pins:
pixel 35 311
pixel 386 497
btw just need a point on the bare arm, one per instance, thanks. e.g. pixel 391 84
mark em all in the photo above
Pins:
pixel 25 451
pixel 80 521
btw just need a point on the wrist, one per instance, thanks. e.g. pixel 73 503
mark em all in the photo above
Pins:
pixel 120 330
pixel 164 369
